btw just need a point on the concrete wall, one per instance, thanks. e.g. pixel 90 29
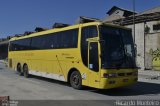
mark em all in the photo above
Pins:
pixel 152 45
pixel 150 25
pixel 139 41
pixel 146 42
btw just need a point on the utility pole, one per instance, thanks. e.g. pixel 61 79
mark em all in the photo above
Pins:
pixel 134 20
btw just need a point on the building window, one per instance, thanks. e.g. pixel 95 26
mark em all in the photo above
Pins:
pixel 156 27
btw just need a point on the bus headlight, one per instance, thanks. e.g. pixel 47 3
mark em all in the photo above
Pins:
pixel 135 73
pixel 110 75
pixel 112 82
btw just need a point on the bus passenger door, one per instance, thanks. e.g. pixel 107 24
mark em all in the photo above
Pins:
pixel 93 64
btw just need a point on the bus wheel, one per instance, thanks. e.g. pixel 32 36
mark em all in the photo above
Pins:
pixel 19 69
pixel 76 80
pixel 25 71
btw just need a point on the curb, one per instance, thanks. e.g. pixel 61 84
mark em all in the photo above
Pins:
pixel 149 73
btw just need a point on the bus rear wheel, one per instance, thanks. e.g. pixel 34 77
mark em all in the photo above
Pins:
pixel 19 69
pixel 25 71
pixel 76 80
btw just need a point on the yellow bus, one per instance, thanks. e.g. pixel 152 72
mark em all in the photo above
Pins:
pixel 91 54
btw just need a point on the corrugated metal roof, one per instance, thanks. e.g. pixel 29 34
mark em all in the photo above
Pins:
pixel 115 8
pixel 111 18
pixel 149 15
pixel 153 10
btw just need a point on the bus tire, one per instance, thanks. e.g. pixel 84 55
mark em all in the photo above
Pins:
pixel 19 70
pixel 76 80
pixel 25 71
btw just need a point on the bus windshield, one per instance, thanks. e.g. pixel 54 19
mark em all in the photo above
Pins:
pixel 117 48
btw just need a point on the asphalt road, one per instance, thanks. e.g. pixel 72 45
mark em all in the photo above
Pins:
pixel 37 88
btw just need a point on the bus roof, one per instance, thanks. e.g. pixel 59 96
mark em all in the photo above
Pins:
pixel 65 28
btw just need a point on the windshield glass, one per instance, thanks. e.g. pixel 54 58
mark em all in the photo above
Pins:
pixel 117 48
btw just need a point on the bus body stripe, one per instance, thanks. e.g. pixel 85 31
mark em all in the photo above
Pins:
pixel 47 75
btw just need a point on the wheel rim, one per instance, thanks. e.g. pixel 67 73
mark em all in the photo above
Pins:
pixel 76 79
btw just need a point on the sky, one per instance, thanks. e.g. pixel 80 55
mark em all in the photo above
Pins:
pixel 18 16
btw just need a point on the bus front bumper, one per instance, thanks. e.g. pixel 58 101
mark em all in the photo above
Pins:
pixel 108 83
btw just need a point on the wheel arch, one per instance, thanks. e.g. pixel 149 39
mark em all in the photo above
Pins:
pixel 18 63
pixel 25 64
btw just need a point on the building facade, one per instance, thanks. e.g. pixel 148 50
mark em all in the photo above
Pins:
pixel 146 34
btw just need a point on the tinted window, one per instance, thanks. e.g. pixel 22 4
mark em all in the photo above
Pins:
pixel 117 48
pixel 65 39
pixel 68 39
pixel 39 42
pixel 23 44
pixel 87 32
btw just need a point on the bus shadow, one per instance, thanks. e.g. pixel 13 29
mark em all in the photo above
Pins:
pixel 141 88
